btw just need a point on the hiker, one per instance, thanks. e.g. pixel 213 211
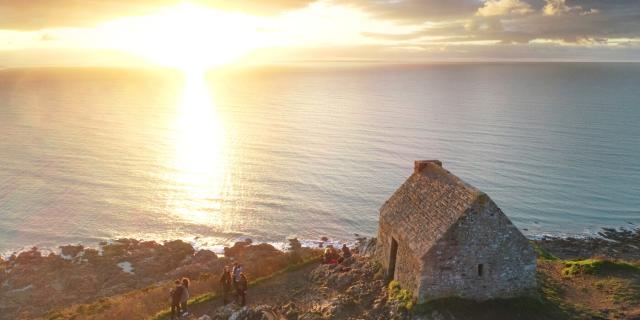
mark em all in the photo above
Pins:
pixel 176 295
pixel 330 255
pixel 185 296
pixel 235 273
pixel 225 281
pixel 346 252
pixel 241 291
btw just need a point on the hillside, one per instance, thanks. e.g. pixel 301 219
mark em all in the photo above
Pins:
pixel 594 278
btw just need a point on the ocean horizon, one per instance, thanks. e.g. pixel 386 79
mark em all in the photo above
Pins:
pixel 93 154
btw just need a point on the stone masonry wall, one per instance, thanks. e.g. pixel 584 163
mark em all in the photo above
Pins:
pixel 486 237
pixel 408 265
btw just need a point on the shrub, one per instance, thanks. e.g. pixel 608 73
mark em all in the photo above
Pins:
pixel 402 296
pixel 597 266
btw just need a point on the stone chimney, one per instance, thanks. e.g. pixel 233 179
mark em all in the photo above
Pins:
pixel 419 165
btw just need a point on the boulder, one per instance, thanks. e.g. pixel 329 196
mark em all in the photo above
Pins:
pixel 71 251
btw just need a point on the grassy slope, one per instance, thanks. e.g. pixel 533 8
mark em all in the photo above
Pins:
pixel 152 302
pixel 581 289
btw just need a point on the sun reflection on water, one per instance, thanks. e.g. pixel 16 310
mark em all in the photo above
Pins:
pixel 200 160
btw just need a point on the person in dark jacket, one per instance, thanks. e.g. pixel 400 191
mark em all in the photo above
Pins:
pixel 226 282
pixel 176 296
pixel 346 252
pixel 241 290
pixel 185 296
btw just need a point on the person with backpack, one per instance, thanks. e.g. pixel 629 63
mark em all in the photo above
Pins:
pixel 235 273
pixel 226 282
pixel 184 298
pixel 175 295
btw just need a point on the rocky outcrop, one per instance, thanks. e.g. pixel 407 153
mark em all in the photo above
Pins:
pixel 353 289
pixel 613 243
pixel 32 283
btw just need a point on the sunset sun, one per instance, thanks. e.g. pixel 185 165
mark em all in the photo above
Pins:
pixel 187 36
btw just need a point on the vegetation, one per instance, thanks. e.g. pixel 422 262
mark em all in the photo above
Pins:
pixel 209 296
pixel 597 267
pixel 153 300
pixel 542 253
pixel 613 285
pixel 567 289
pixel 402 296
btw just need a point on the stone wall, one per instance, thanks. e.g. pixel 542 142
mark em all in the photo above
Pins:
pixel 408 265
pixel 484 236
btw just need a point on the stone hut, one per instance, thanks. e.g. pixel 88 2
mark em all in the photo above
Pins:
pixel 441 237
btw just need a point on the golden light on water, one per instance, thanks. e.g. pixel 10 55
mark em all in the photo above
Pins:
pixel 200 160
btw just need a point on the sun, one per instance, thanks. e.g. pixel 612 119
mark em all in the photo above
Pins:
pixel 187 36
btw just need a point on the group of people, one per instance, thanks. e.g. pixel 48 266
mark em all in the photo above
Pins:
pixel 179 296
pixel 332 256
pixel 234 278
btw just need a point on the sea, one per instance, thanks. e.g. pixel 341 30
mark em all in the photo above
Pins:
pixel 308 151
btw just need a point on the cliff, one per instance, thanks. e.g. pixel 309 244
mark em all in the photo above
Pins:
pixel 591 278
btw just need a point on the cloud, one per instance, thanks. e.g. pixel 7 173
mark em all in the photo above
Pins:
pixel 414 10
pixel 559 7
pixel 40 14
pixel 417 26
pixel 503 8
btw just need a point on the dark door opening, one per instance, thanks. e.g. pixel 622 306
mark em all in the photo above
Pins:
pixel 392 259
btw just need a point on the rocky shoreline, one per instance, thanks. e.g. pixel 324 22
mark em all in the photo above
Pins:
pixel 623 244
pixel 32 283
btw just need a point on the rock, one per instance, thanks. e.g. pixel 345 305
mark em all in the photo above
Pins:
pixel 245 313
pixel 71 251
pixel 290 311
pixel 205 317
pixel 342 281
pixel 294 244
pixel 225 311
pixel 237 249
pixel 32 256
pixel 310 316
pixel 338 306
pixel 205 256
pixel 366 247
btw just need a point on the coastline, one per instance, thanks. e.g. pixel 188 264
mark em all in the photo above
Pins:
pixel 217 244
pixel 78 274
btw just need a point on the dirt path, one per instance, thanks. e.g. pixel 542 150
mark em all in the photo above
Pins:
pixel 289 287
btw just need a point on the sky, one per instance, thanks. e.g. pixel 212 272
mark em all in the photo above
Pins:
pixel 207 33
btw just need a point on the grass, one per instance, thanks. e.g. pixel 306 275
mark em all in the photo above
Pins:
pixel 626 294
pixel 542 253
pixel 153 301
pixel 619 291
pixel 548 302
pixel 617 280
pixel 597 267
pixel 165 313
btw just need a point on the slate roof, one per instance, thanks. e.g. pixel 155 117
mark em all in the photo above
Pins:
pixel 427 204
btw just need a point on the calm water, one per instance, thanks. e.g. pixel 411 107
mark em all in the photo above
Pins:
pixel 88 155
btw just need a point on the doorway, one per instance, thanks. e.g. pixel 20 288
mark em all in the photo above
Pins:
pixel 392 260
